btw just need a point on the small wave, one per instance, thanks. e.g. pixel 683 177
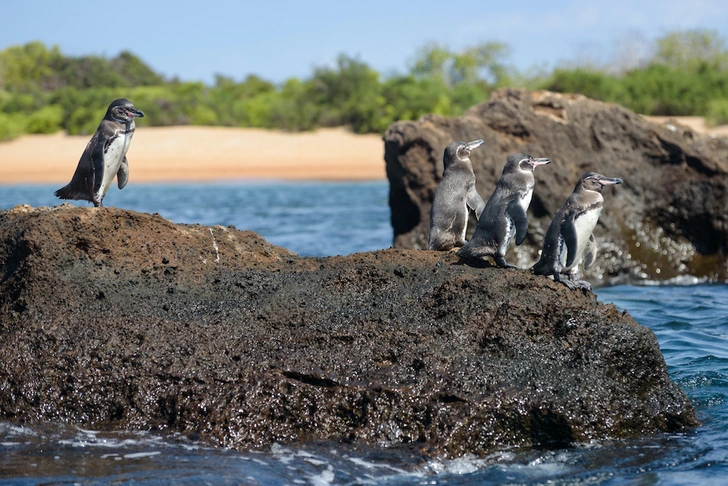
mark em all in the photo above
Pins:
pixel 703 379
pixel 468 464
pixel 10 430
pixel 92 438
pixel 680 280
pixel 324 478
pixel 677 325
pixel 139 455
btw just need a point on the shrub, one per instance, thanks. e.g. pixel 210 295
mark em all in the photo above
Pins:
pixel 718 112
pixel 591 83
pixel 46 120
pixel 202 115
pixel 84 121
pixel 12 125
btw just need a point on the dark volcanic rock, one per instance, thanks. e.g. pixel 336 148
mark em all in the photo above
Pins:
pixel 116 319
pixel 669 218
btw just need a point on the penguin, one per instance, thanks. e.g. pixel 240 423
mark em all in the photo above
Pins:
pixel 454 195
pixel 104 156
pixel 504 215
pixel 569 237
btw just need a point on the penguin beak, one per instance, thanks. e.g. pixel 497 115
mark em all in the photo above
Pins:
pixel 606 181
pixel 541 161
pixel 134 112
pixel 474 144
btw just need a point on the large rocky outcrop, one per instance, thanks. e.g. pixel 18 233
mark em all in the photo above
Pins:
pixel 669 218
pixel 116 319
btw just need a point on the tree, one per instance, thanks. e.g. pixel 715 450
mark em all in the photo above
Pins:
pixel 692 50
pixel 480 64
pixel 349 94
pixel 134 70
pixel 592 83
pixel 27 68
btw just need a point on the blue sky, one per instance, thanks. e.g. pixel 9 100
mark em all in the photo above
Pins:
pixel 277 40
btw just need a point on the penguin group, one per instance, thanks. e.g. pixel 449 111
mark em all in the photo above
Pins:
pixel 569 239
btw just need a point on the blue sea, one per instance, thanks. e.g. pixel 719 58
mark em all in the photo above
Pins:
pixel 690 321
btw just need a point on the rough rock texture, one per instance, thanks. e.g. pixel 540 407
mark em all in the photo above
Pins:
pixel 669 218
pixel 116 319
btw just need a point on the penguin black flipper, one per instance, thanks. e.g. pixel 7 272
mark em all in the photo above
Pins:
pixel 122 176
pixel 83 180
pixel 475 202
pixel 590 253
pixel 568 233
pixel 97 163
pixel 518 215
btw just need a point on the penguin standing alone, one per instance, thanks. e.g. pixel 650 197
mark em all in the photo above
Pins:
pixel 104 156
pixel 569 236
pixel 505 213
pixel 454 195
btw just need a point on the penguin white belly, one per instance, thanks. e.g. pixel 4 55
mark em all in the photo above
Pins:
pixel 464 211
pixel 584 226
pixel 113 158
pixel 526 199
pixel 510 233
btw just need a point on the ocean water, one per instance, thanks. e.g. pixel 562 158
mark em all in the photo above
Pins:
pixel 309 218
pixel 690 322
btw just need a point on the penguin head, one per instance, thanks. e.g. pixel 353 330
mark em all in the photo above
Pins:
pixel 122 111
pixel 591 181
pixel 459 151
pixel 523 163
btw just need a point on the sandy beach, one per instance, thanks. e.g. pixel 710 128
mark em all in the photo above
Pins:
pixel 695 123
pixel 192 153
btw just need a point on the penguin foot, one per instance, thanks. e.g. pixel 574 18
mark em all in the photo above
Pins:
pixel 582 284
pixel 568 284
pixel 579 284
pixel 565 281
pixel 572 283
pixel 501 262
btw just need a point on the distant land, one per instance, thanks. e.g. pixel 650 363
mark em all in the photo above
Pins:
pixel 194 153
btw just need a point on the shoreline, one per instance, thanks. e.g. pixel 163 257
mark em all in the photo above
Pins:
pixel 217 154
pixel 205 154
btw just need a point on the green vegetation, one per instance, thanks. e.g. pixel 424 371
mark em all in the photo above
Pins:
pixel 43 91
pixel 687 75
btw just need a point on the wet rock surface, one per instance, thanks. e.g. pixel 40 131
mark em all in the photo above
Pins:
pixel 669 218
pixel 120 320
